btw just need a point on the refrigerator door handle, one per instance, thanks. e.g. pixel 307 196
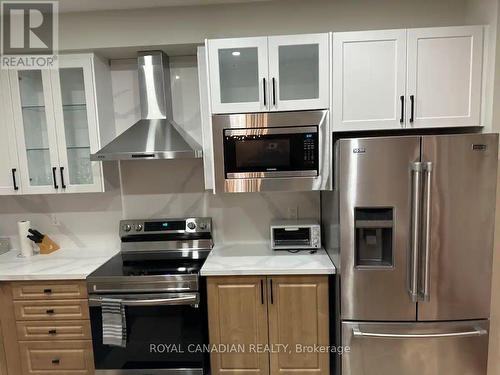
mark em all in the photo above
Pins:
pixel 416 169
pixel 426 245
pixel 356 332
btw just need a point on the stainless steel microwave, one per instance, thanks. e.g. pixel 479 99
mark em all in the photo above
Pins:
pixel 277 151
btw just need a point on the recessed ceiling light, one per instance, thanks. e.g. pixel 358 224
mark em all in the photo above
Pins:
pixel 236 53
pixel 177 77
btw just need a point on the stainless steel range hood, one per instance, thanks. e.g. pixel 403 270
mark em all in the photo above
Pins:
pixel 156 136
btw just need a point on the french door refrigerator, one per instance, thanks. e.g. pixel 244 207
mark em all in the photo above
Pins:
pixel 411 223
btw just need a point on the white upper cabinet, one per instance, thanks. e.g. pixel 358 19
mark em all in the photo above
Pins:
pixel 34 125
pixel 57 115
pixel 415 78
pixel 278 73
pixel 299 72
pixel 444 76
pixel 9 167
pixel 76 124
pixel 369 70
pixel 238 75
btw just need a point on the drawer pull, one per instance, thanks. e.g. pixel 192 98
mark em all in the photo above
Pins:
pixel 47 291
pixel 56 361
pixel 52 332
pixel 50 311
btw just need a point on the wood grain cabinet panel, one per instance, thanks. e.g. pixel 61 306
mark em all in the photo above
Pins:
pixel 58 330
pixel 238 316
pixel 57 358
pixel 49 290
pixel 298 318
pixel 51 310
pixel 267 311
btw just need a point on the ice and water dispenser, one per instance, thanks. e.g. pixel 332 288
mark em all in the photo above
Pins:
pixel 374 235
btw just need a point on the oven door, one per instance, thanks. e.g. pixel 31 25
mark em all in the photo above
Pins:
pixel 271 152
pixel 165 334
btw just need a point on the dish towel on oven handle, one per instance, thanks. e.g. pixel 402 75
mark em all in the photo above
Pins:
pixel 114 322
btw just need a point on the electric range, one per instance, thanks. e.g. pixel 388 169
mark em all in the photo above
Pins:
pixel 155 277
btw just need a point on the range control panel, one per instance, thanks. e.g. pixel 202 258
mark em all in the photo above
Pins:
pixel 152 226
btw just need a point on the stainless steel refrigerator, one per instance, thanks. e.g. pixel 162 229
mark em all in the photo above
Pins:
pixel 410 223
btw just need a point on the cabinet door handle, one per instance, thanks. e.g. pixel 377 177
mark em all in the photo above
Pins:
pixel 261 291
pixel 402 118
pixel 271 291
pixel 56 361
pixel 14 182
pixel 274 91
pixel 63 185
pixel 47 291
pixel 50 311
pixel 264 91
pixel 54 177
pixel 412 107
pixel 52 332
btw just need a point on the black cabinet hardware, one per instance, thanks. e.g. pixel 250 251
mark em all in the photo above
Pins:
pixel 54 177
pixel 50 311
pixel 14 179
pixel 264 90
pixel 271 291
pixel 274 91
pixel 63 185
pixel 56 361
pixel 47 291
pixel 412 106
pixel 52 331
pixel 402 118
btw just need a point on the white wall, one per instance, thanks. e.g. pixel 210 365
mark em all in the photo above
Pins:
pixel 187 25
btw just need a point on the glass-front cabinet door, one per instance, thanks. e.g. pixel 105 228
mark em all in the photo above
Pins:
pixel 239 75
pixel 35 131
pixel 299 72
pixel 76 124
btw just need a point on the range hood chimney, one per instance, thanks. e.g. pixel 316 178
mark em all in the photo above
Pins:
pixel 156 135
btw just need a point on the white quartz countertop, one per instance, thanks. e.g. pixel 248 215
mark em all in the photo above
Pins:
pixel 59 265
pixel 259 259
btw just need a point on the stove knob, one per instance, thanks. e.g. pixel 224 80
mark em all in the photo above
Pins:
pixel 191 225
pixel 126 227
pixel 138 227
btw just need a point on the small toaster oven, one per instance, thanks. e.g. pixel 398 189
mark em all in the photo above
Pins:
pixel 295 235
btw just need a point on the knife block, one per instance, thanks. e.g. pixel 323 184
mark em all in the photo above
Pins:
pixel 47 246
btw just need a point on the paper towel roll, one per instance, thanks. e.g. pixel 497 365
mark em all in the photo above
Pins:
pixel 25 244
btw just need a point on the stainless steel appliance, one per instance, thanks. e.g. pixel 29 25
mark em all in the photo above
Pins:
pixel 156 278
pixel 156 135
pixel 295 235
pixel 410 223
pixel 271 151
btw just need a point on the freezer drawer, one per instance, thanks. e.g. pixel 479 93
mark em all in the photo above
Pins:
pixel 415 348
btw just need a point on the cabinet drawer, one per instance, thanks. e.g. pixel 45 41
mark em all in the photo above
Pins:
pixel 49 290
pixel 55 330
pixel 57 358
pixel 51 310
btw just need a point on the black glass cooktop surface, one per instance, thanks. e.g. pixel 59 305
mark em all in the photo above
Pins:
pixel 116 266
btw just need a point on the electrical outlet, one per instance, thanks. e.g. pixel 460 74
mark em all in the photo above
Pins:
pixel 55 220
pixel 293 213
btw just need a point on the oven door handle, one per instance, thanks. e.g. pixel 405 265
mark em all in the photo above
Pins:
pixel 192 299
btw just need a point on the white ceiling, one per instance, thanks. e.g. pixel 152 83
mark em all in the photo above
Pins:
pixel 66 6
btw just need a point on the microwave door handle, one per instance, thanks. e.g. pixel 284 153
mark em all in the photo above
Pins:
pixel 356 332
pixel 291 229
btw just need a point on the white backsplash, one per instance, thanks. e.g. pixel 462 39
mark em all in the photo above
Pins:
pixel 154 189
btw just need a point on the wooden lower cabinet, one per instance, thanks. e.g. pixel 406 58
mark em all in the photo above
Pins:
pixel 57 357
pixel 237 314
pixel 287 315
pixel 46 328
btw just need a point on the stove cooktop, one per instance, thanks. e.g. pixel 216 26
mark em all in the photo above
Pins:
pixel 117 267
